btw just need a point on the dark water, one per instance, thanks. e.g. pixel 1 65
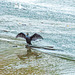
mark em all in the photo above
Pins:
pixel 54 20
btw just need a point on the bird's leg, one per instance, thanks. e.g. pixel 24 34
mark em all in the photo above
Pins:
pixel 28 48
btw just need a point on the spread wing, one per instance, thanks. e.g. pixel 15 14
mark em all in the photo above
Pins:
pixel 22 35
pixel 35 37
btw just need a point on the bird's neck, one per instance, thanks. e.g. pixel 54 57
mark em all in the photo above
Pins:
pixel 27 35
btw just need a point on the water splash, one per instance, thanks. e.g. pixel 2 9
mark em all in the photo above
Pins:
pixel 21 1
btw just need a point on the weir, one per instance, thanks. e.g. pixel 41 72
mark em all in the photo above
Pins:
pixel 41 47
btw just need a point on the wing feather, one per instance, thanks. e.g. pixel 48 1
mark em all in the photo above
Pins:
pixel 36 36
pixel 22 35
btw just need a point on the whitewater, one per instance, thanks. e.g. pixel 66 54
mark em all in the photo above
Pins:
pixel 54 20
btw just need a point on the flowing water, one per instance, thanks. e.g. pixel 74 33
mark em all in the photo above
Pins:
pixel 54 20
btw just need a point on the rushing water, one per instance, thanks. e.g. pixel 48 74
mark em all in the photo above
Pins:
pixel 54 20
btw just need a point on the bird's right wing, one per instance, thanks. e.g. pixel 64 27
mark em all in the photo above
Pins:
pixel 22 35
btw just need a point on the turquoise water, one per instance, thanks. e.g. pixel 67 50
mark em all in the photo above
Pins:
pixel 53 19
pixel 49 10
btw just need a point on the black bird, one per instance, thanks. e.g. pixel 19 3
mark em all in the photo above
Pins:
pixel 31 38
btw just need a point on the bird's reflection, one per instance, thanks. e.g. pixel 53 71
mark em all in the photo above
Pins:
pixel 29 54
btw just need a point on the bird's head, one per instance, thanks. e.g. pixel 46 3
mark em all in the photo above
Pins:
pixel 27 34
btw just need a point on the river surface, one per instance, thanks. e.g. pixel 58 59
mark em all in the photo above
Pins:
pixel 54 20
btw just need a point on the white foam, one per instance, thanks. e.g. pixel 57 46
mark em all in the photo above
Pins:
pixel 59 53
pixel 21 66
pixel 21 1
pixel 58 8
pixel 18 6
pixel 6 39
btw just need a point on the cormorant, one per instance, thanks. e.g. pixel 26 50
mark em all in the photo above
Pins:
pixel 31 38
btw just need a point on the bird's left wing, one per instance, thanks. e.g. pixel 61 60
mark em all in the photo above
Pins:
pixel 35 37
